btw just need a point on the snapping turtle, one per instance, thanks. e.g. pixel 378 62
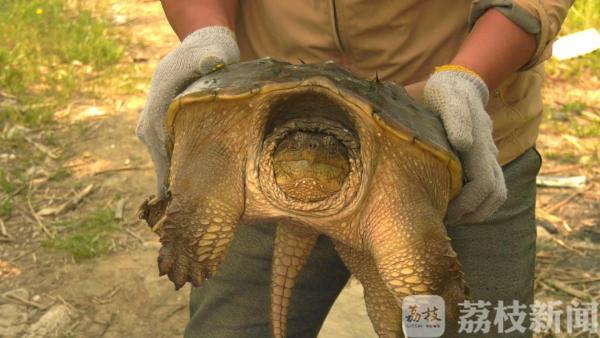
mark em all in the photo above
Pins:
pixel 314 150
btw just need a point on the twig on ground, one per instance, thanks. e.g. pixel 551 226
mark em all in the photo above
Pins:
pixel 72 327
pixel 558 222
pixel 119 209
pixel 42 148
pixel 68 205
pixel 27 302
pixel 545 259
pixel 6 95
pixel 107 297
pixel 590 116
pixel 37 218
pixel 67 304
pixel 560 204
pixel 108 325
pixel 568 289
pixel 566 246
pixel 113 291
pixel 574 141
pixel 548 226
pixel 23 254
pixel 586 246
pixel 136 236
pixel 541 275
pixel 584 280
pixel 561 181
pixel 99 172
pixel 3 231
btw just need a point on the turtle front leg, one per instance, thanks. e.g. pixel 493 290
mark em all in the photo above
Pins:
pixel 410 248
pixel 292 247
pixel 382 308
pixel 207 202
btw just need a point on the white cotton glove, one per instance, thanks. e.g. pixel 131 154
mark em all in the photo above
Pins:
pixel 459 96
pixel 199 53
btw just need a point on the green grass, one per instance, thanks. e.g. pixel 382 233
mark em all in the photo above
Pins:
pixel 563 158
pixel 6 205
pixel 583 14
pixel 588 129
pixel 8 188
pixel 50 52
pixel 87 237
pixel 7 185
pixel 575 107
pixel 568 112
pixel 6 202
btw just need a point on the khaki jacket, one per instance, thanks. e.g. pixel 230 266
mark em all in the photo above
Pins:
pixel 403 41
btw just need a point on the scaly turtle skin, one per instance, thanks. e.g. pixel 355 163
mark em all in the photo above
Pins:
pixel 315 150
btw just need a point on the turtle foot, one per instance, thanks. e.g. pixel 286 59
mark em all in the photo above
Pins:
pixel 180 268
pixel 195 236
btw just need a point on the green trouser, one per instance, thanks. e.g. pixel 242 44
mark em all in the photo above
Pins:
pixel 498 258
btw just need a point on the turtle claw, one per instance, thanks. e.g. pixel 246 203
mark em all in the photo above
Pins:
pixel 179 276
pixel 196 278
pixel 165 261
pixel 182 269
pixel 152 210
pixel 175 265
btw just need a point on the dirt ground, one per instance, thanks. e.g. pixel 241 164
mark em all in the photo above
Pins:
pixel 119 294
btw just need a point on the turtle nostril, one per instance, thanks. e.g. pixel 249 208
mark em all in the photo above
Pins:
pixel 313 145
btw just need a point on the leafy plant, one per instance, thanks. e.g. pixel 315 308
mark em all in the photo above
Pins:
pixel 87 237
pixel 48 51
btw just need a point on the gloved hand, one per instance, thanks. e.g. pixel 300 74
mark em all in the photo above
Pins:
pixel 459 96
pixel 199 53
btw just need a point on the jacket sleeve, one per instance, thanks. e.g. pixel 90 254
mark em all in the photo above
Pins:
pixel 543 18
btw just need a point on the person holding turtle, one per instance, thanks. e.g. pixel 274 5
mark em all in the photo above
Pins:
pixel 477 64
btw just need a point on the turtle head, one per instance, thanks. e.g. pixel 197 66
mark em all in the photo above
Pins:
pixel 310 166
pixel 310 157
